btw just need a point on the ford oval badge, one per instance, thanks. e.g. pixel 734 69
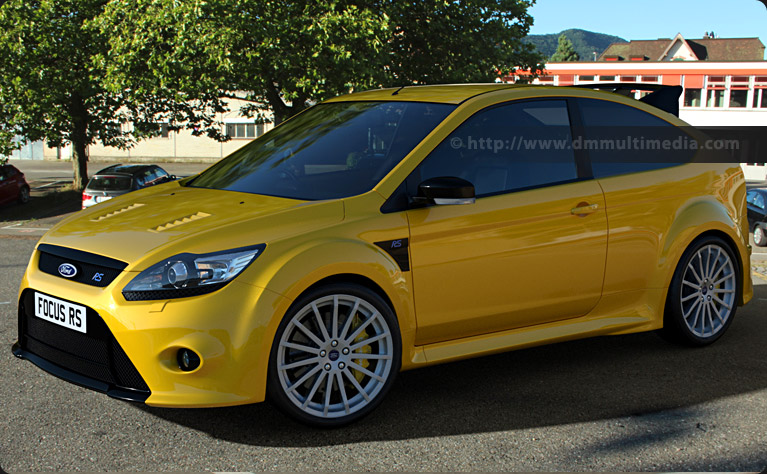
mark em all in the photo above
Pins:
pixel 67 270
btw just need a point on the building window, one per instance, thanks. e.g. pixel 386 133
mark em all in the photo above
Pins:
pixel 628 78
pixel 650 78
pixel 760 92
pixel 716 91
pixel 244 130
pixel 607 78
pixel 586 78
pixel 715 98
pixel 546 79
pixel 738 98
pixel 692 97
pixel 162 129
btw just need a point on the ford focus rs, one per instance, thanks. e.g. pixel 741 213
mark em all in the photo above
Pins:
pixel 385 231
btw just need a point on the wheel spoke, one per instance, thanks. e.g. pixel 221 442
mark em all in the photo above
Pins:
pixel 328 390
pixel 722 302
pixel 691 285
pixel 300 347
pixel 362 355
pixel 303 379
pixel 690 296
pixel 694 273
pixel 726 277
pixel 342 389
pixel 308 333
pixel 367 341
pixel 357 385
pixel 300 363
pixel 349 319
pixel 315 386
pixel 320 322
pixel 722 290
pixel 334 329
pixel 365 371
pixel 362 327
pixel 707 270
pixel 718 315
pixel 697 315
pixel 689 311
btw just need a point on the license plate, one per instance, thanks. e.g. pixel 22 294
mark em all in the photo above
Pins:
pixel 60 312
pixel 102 198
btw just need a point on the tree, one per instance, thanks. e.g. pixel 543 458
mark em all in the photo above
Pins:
pixel 285 56
pixel 281 55
pixel 565 51
pixel 52 88
pixel 438 41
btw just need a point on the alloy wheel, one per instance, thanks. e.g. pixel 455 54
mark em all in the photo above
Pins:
pixel 709 285
pixel 335 356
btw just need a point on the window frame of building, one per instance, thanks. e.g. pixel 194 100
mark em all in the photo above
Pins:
pixel 243 130
pixel 716 92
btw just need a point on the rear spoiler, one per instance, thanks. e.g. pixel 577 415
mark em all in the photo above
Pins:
pixel 662 97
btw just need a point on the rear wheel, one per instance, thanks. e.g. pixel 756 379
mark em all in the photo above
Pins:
pixel 704 293
pixel 335 355
pixel 24 195
pixel 760 239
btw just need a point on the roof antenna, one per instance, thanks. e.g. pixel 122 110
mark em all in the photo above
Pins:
pixel 397 91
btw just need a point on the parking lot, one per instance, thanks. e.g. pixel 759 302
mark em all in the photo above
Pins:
pixel 626 403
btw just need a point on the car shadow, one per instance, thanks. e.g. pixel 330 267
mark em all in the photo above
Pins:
pixel 572 382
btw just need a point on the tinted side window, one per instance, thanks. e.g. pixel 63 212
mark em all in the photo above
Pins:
pixel 505 148
pixel 621 139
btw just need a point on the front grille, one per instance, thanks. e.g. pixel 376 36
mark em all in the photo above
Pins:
pixel 92 269
pixel 96 355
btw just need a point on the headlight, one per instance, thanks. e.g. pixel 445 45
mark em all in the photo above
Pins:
pixel 189 274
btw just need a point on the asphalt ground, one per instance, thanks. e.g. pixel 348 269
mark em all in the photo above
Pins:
pixel 621 403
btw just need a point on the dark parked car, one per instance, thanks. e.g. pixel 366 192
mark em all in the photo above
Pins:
pixel 756 200
pixel 13 186
pixel 120 179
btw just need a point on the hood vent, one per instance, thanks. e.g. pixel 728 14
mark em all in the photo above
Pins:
pixel 125 209
pixel 181 221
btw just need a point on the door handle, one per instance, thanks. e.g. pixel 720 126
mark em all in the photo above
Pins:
pixel 584 209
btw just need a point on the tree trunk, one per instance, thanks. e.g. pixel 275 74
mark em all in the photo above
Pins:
pixel 79 142
pixel 80 164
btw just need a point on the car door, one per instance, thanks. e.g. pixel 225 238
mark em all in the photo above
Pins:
pixel 6 186
pixel 530 250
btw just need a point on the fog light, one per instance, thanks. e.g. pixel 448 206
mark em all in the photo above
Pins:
pixel 187 360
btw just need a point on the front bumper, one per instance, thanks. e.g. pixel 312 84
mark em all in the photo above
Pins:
pixel 230 329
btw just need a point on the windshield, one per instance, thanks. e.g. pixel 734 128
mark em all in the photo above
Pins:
pixel 109 183
pixel 330 151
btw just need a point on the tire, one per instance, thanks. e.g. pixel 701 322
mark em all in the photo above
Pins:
pixel 24 195
pixel 703 296
pixel 760 236
pixel 328 381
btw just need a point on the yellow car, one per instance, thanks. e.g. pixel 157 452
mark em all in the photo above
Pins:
pixel 385 231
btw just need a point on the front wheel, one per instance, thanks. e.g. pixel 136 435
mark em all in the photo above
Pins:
pixel 760 239
pixel 703 295
pixel 335 355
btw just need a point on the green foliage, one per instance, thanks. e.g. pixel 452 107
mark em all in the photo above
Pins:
pixel 565 51
pixel 52 87
pixel 438 41
pixel 584 42
pixel 289 55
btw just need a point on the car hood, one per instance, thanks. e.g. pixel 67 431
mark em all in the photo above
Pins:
pixel 170 218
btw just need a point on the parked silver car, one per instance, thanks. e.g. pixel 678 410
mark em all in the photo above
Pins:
pixel 120 179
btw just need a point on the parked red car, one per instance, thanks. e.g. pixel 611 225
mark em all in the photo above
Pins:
pixel 13 186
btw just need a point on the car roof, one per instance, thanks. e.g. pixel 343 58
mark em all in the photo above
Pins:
pixel 128 169
pixel 442 93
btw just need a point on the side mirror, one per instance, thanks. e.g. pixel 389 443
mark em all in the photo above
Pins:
pixel 446 190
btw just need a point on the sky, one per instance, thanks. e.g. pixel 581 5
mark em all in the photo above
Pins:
pixel 653 19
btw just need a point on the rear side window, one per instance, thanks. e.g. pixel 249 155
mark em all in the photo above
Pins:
pixel 620 139
pixel 506 148
pixel 756 199
pixel 110 183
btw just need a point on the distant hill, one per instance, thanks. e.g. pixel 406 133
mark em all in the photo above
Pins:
pixel 585 42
